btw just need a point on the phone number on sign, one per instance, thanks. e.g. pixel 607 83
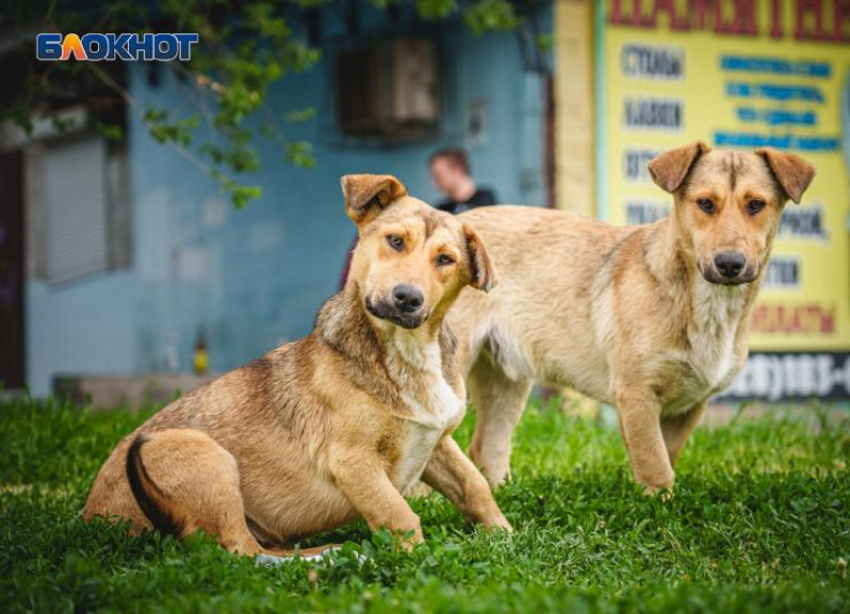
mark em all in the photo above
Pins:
pixel 780 376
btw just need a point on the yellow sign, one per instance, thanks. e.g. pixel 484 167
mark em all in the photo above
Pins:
pixel 739 74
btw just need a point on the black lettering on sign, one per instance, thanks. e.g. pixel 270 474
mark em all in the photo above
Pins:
pixel 804 222
pixel 653 114
pixel 649 62
pixel 783 272
pixel 635 163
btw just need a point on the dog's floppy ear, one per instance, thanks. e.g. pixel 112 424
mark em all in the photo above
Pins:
pixel 367 195
pixel 792 173
pixel 482 271
pixel 670 168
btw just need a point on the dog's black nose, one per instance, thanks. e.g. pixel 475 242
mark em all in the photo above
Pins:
pixel 730 264
pixel 407 298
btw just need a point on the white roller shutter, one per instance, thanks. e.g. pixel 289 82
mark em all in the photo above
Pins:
pixel 75 207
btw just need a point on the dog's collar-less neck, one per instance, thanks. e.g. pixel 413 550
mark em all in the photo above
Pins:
pixel 419 349
pixel 666 258
pixel 386 365
pixel 415 362
pixel 729 300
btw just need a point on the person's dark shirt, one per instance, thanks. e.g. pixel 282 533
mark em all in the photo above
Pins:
pixel 481 198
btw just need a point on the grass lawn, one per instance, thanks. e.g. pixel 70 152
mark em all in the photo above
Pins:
pixel 760 522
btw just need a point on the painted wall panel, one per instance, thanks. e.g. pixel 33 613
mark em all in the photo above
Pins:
pixel 254 278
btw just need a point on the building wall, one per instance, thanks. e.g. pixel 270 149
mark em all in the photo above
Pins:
pixel 574 98
pixel 254 278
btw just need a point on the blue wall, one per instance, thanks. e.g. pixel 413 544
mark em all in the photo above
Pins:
pixel 255 278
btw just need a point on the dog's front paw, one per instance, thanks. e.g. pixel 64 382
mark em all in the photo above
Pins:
pixel 420 490
pixel 408 540
pixel 500 523
pixel 664 492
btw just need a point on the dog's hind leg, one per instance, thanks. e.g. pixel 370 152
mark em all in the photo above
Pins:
pixel 499 401
pixel 677 429
pixel 184 481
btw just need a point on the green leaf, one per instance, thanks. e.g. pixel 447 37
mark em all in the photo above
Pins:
pixel 487 15
pixel 113 132
pixel 300 153
pixel 301 116
pixel 435 9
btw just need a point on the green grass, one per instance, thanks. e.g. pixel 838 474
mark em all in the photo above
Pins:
pixel 760 522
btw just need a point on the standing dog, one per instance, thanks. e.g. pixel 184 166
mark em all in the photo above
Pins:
pixel 651 318
pixel 336 426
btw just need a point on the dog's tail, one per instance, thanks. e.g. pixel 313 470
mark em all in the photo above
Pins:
pixel 161 512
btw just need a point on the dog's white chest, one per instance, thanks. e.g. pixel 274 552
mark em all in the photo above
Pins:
pixel 720 363
pixel 423 430
pixel 710 363
pixel 430 415
pixel 417 448
pixel 711 357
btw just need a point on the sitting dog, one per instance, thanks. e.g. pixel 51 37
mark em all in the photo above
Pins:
pixel 651 318
pixel 335 426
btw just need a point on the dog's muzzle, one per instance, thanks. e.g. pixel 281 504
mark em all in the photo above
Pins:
pixel 404 308
pixel 728 269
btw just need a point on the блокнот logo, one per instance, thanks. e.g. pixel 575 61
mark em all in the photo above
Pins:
pixel 97 47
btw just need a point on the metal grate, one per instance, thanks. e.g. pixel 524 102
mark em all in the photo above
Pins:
pixel 75 207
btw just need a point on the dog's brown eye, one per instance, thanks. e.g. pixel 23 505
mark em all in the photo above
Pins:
pixel 706 204
pixel 444 260
pixel 755 205
pixel 396 242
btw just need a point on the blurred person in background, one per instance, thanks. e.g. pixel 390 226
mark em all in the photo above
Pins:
pixel 450 173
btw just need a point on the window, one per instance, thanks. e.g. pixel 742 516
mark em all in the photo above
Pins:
pixel 79 206
pixel 74 189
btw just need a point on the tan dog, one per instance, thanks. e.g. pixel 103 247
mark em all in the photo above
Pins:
pixel 336 426
pixel 651 318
